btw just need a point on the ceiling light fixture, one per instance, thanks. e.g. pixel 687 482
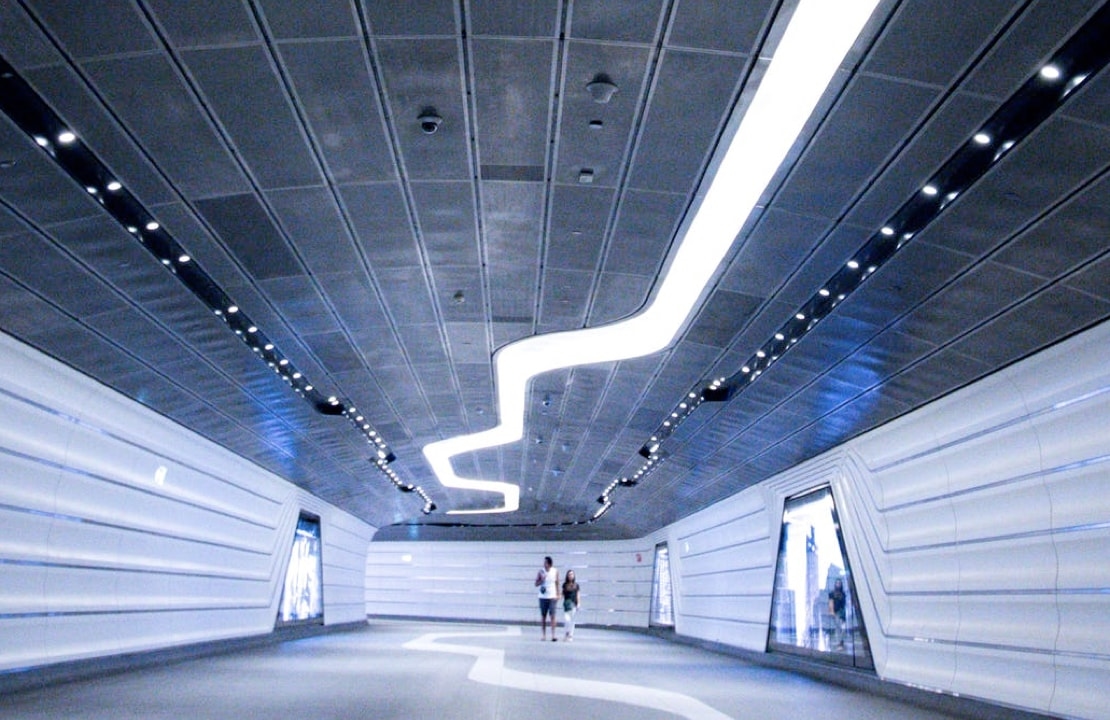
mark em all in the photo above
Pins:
pixel 811 50
pixel 31 113
pixel 1086 52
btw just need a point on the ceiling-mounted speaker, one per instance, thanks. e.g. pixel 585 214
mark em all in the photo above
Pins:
pixel 601 89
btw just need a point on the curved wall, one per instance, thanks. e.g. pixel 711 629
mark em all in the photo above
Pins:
pixel 494 580
pixel 101 553
pixel 978 529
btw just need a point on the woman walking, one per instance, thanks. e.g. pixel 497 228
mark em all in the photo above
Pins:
pixel 570 603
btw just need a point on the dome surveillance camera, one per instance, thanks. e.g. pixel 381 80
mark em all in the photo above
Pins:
pixel 429 121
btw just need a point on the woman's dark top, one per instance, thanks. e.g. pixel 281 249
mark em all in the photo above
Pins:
pixel 570 592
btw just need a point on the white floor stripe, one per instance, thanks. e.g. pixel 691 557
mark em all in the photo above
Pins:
pixel 489 668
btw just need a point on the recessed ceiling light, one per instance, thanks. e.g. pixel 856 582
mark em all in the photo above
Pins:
pixel 982 138
pixel 114 185
pixel 1050 72
pixel 41 141
pixel 853 264
pixel 887 230
pixel 234 309
pixel 930 190
pixel 183 259
pixel 152 226
pixel 823 292
pixel 66 137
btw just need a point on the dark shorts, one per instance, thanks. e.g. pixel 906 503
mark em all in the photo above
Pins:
pixel 547 607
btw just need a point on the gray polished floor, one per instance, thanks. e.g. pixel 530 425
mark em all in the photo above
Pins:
pixel 447 671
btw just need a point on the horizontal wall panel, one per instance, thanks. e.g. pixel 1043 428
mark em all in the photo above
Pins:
pixel 758 557
pixel 744 608
pixel 1084 624
pixel 28 484
pixel 1019 621
pixel 729 582
pixel 748 636
pixel 1005 564
pixel 1011 451
pixel 931 663
pixel 1024 679
pixel 102 556
pixel 436 580
pixel 26 536
pixel 1078 496
pixel 921 524
pixel 21 592
pixel 926 570
pixel 978 531
pixel 1025 504
pixel 1084 557
pixel 1075 677
pixel 933 616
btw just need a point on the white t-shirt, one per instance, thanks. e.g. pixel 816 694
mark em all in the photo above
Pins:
pixel 550 587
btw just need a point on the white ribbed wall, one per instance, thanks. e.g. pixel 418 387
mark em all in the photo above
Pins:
pixel 978 530
pixel 494 580
pixel 97 558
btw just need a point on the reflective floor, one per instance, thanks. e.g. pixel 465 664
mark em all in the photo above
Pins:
pixel 446 671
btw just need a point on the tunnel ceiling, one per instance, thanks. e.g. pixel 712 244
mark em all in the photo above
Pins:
pixel 281 148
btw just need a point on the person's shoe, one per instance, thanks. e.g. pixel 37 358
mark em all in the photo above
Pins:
pixel 554 639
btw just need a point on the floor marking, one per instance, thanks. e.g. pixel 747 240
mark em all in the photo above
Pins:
pixel 489 668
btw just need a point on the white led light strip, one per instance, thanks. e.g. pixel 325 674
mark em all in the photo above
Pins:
pixel 820 33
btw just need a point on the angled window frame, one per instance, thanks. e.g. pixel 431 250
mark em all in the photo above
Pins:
pixel 811 556
pixel 302 594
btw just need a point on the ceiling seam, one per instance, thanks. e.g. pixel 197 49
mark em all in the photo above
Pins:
pixel 373 59
pixel 320 161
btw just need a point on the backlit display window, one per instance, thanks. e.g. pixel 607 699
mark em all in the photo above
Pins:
pixel 813 609
pixel 302 599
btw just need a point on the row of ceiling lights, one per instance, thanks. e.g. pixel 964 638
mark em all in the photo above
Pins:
pixel 31 113
pixel 1038 98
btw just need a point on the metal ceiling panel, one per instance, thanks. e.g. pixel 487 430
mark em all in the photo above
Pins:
pixel 512 93
pixel 618 297
pixel 319 19
pixel 671 155
pixel 148 95
pixel 388 264
pixel 339 98
pixel 381 222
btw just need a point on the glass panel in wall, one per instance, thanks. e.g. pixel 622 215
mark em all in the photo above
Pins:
pixel 662 598
pixel 302 599
pixel 813 609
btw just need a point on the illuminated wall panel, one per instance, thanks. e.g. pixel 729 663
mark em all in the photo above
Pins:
pixel 978 531
pixel 493 580
pixel 124 532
